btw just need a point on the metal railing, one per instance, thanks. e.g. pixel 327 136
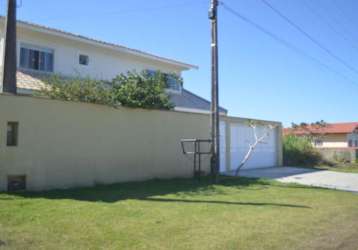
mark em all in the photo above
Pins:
pixel 197 152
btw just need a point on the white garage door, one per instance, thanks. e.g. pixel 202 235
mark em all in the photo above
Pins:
pixel 241 136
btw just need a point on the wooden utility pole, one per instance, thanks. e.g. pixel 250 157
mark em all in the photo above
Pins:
pixel 215 145
pixel 9 70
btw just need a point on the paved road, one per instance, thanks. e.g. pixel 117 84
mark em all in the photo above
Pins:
pixel 310 177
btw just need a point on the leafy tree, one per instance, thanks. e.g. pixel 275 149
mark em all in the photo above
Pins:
pixel 77 89
pixel 310 130
pixel 142 90
pixel 136 90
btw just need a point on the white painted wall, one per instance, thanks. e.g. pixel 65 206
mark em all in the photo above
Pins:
pixel 333 141
pixel 103 63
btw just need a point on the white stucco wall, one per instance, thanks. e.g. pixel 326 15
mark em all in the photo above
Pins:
pixel 67 144
pixel 104 63
pixel 333 141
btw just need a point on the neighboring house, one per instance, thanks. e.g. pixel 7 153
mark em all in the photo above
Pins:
pixel 42 51
pixel 333 135
pixel 336 142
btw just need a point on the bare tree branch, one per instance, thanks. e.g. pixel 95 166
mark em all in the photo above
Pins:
pixel 257 141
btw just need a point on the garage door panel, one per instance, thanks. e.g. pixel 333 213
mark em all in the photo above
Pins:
pixel 241 136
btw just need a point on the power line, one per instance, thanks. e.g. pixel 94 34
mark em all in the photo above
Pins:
pixel 301 30
pixel 330 26
pixel 336 21
pixel 285 42
pixel 343 13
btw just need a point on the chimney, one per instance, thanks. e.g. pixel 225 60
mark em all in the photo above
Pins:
pixel 10 66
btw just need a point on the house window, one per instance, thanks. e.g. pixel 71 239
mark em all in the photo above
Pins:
pixel 35 58
pixel 12 134
pixel 350 143
pixel 318 142
pixel 356 143
pixel 172 83
pixel 83 59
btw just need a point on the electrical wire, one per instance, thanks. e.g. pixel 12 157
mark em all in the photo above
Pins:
pixel 329 25
pixel 284 42
pixel 302 31
pixel 344 17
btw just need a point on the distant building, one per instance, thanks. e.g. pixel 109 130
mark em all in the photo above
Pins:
pixel 333 135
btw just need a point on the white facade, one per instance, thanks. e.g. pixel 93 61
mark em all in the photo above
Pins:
pixel 105 60
pixel 336 141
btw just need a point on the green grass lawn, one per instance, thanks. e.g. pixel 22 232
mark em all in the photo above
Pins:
pixel 237 213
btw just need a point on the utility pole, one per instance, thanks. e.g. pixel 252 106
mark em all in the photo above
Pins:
pixel 215 138
pixel 9 70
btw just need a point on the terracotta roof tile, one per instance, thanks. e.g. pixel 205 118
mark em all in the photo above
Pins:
pixel 29 81
pixel 331 128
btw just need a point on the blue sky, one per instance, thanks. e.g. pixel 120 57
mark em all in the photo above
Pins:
pixel 259 77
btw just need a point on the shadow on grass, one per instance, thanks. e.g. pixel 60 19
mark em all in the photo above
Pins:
pixel 226 202
pixel 146 190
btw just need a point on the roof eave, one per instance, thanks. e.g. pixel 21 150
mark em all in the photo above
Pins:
pixel 94 42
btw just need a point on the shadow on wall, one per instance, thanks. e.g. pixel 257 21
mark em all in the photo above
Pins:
pixel 149 190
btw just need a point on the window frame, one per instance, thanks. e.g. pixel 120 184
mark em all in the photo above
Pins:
pixel 79 59
pixel 167 90
pixel 39 48
pixel 318 142
pixel 14 142
pixel 171 90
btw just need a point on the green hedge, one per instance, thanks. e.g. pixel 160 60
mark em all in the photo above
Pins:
pixel 298 151
pixel 135 90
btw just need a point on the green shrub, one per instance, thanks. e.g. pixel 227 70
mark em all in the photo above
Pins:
pixel 141 90
pixel 136 90
pixel 298 151
pixel 77 90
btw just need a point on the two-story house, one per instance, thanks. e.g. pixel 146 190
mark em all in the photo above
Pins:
pixel 43 50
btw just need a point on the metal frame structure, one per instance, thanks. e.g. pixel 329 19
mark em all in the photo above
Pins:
pixel 197 153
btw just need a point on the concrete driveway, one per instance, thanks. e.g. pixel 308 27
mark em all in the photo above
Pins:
pixel 310 177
